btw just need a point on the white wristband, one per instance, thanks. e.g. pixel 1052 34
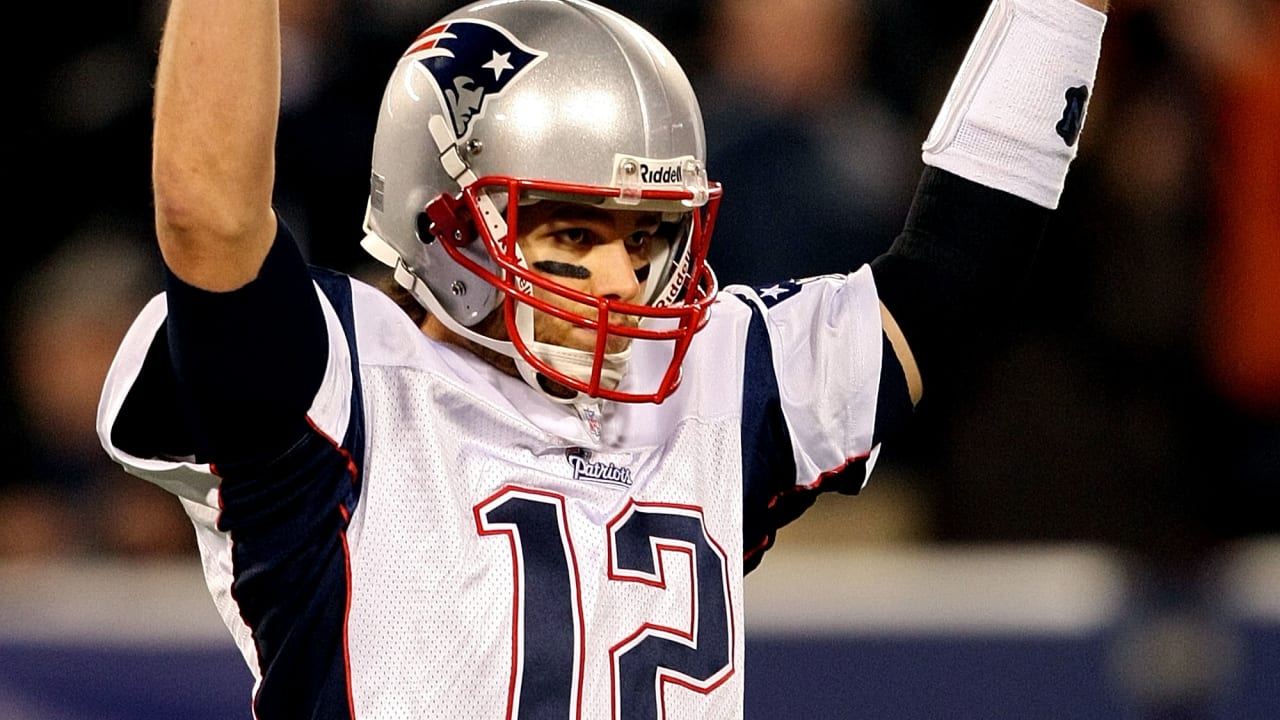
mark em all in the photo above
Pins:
pixel 1013 117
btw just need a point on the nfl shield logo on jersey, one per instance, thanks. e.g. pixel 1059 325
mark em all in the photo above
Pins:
pixel 471 61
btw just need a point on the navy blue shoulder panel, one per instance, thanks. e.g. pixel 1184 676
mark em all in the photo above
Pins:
pixel 767 463
pixel 771 497
pixel 337 288
pixel 291 564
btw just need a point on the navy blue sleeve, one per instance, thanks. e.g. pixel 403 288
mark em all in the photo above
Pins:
pixel 242 369
pixel 290 563
pixel 287 491
pixel 768 466
pixel 962 258
pixel 247 363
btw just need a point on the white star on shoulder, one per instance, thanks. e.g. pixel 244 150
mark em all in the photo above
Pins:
pixel 500 63
pixel 775 292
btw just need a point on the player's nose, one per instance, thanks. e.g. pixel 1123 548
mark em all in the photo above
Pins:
pixel 614 275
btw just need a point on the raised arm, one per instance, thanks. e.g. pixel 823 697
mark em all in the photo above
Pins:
pixel 997 158
pixel 247 340
pixel 217 101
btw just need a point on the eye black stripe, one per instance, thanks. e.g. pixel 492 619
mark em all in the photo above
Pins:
pixel 551 267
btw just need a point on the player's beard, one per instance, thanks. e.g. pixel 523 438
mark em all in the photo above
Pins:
pixel 494 326
pixel 553 330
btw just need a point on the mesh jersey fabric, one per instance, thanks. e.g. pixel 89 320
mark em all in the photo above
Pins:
pixel 498 558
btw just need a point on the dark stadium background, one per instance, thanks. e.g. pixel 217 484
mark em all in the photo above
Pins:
pixel 1085 530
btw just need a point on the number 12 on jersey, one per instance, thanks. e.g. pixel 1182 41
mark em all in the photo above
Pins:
pixel 548 629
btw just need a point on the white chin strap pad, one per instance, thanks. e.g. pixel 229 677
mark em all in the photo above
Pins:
pixel 576 364
pixel 1013 117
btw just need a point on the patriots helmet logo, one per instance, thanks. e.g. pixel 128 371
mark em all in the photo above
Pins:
pixel 471 61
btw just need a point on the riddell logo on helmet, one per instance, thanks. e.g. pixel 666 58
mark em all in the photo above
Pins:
pixel 677 285
pixel 662 175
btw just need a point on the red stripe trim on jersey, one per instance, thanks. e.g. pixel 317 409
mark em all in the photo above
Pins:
pixel 354 472
pixel 764 545
pixel 346 622
pixel 659 580
pixel 517 609
pixel 816 485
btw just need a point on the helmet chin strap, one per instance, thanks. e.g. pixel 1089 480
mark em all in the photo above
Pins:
pixel 574 363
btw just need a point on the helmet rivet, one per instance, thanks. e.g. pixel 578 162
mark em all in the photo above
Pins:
pixel 459 288
pixel 629 167
pixel 474 147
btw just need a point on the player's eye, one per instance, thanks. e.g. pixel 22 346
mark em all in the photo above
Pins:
pixel 638 240
pixel 574 236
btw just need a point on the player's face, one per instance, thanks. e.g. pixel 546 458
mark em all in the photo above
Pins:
pixel 605 253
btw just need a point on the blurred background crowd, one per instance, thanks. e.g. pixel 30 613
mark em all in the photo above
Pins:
pixel 1132 398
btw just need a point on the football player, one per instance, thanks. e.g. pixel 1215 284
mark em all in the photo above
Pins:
pixel 535 495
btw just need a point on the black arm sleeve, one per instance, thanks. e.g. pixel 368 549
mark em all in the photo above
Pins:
pixel 964 253
pixel 247 363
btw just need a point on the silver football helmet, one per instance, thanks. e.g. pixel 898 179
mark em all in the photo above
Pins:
pixel 505 103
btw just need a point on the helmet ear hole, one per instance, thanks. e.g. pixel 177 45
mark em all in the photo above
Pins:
pixel 425 236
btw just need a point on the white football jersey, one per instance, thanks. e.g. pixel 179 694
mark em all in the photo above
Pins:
pixel 452 544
